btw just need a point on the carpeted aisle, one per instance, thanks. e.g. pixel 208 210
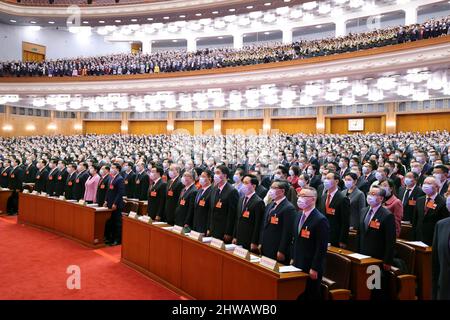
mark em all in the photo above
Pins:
pixel 33 265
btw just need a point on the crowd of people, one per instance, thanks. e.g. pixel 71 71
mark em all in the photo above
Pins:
pixel 182 60
pixel 286 197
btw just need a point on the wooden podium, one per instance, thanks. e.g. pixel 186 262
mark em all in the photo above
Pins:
pixel 4 195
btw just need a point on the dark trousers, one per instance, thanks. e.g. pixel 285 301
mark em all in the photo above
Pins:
pixel 12 204
pixel 113 227
pixel 312 291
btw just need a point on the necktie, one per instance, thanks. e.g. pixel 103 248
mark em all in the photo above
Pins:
pixel 245 203
pixel 271 210
pixel 327 203
pixel 199 195
pixel 368 218
pixel 302 221
pixel 426 205
pixel 406 197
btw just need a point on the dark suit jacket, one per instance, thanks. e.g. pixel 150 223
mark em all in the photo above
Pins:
pixel 130 184
pixel 4 177
pixel 185 208
pixel 423 225
pixel 408 208
pixel 223 218
pixel 30 173
pixel 248 227
pixel 315 182
pixel 261 191
pixel 69 185
pixel 102 189
pixel 277 237
pixel 79 185
pixel 61 179
pixel 157 200
pixel 142 184
pixel 444 189
pixel 174 188
pixel 41 180
pixel 16 177
pixel 340 220
pixel 310 249
pixel 52 182
pixel 366 182
pixel 115 193
pixel 378 243
pixel 441 261
pixel 200 219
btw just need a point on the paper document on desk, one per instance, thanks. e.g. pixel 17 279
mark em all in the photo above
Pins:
pixel 358 256
pixel 100 208
pixel 168 228
pixel 158 222
pixel 406 222
pixel 417 243
pixel 230 247
pixel 254 258
pixel 206 239
pixel 285 269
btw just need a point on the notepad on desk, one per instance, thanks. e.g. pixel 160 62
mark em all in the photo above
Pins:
pixel 206 239
pixel 230 247
pixel 168 228
pixel 158 222
pixel 285 269
pixel 417 243
pixel 358 256
pixel 254 259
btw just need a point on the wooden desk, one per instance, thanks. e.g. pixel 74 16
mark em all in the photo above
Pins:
pixel 142 211
pixel 422 270
pixel 406 231
pixel 359 275
pixel 4 195
pixel 197 270
pixel 72 220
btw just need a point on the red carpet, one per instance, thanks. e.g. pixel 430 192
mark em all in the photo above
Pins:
pixel 33 265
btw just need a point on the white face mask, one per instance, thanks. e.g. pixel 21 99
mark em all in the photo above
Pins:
pixel 203 181
pixel 217 178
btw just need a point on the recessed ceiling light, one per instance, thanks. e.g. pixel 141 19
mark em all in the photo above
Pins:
pixel 13 21
pixel 149 19
pixel 101 21
pixel 319 26
pixel 117 21
pixel 215 12
pixel 174 40
pixel 267 32
pixel 85 22
pixel 219 37
pixel 33 22
pixel 182 16
pixel 198 14
pixel 249 7
pixel 51 22
pixel 166 18
pixel 287 0
pixel 267 4
pixel 134 20
pixel 232 10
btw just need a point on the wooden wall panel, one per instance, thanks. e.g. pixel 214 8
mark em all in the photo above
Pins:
pixel 20 123
pixel 423 122
pixel 147 127
pixel 340 125
pixel 208 127
pixel 101 127
pixel 293 126
pixel 186 127
pixel 249 127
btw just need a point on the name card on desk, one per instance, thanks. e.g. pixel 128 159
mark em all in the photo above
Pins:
pixel 132 215
pixel 82 202
pixel 177 229
pixel 196 235
pixel 242 253
pixel 269 263
pixel 62 198
pixel 219 244
pixel 26 191
pixel 35 192
pixel 145 219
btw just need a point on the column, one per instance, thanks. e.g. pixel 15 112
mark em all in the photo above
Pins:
pixel 146 46
pixel 170 122
pixel 341 28
pixel 7 127
pixel 191 44
pixel 410 15
pixel 78 126
pixel 218 122
pixel 238 41
pixel 267 121
pixel 320 120
pixel 124 123
pixel 287 36
pixel 391 118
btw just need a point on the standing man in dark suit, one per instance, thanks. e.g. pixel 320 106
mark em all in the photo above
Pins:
pixel 250 212
pixel 157 195
pixel 202 205
pixel 80 181
pixel 41 176
pixel 409 195
pixel 343 165
pixel 368 177
pixel 440 172
pixel 428 211
pixel 441 259
pixel 4 176
pixel 337 209
pixel 103 185
pixel 52 177
pixel 142 182
pixel 174 187
pixel 376 235
pixel 224 199
pixel 276 227
pixel 30 171
pixel 186 200
pixel 61 178
pixel 130 180
pixel 114 201
pixel 310 234
pixel 70 181
pixel 15 185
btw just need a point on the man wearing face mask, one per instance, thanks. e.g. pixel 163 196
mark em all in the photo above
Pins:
pixel 4 177
pixel 174 187
pixel 250 212
pixel 157 195
pixel 343 165
pixel 103 185
pixel 440 172
pixel 275 237
pixel 15 185
pixel 80 181
pixel 224 199
pixel 142 182
pixel 202 203
pixel 310 234
pixel 416 167
pixel 41 176
pixel 376 235
pixel 61 178
pixel 129 179
pixel 409 195
pixel 368 175
pixel 30 171
pixel 428 211
pixel 186 201
pixel 114 201
pixel 337 210
pixel 52 179
pixel 70 181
